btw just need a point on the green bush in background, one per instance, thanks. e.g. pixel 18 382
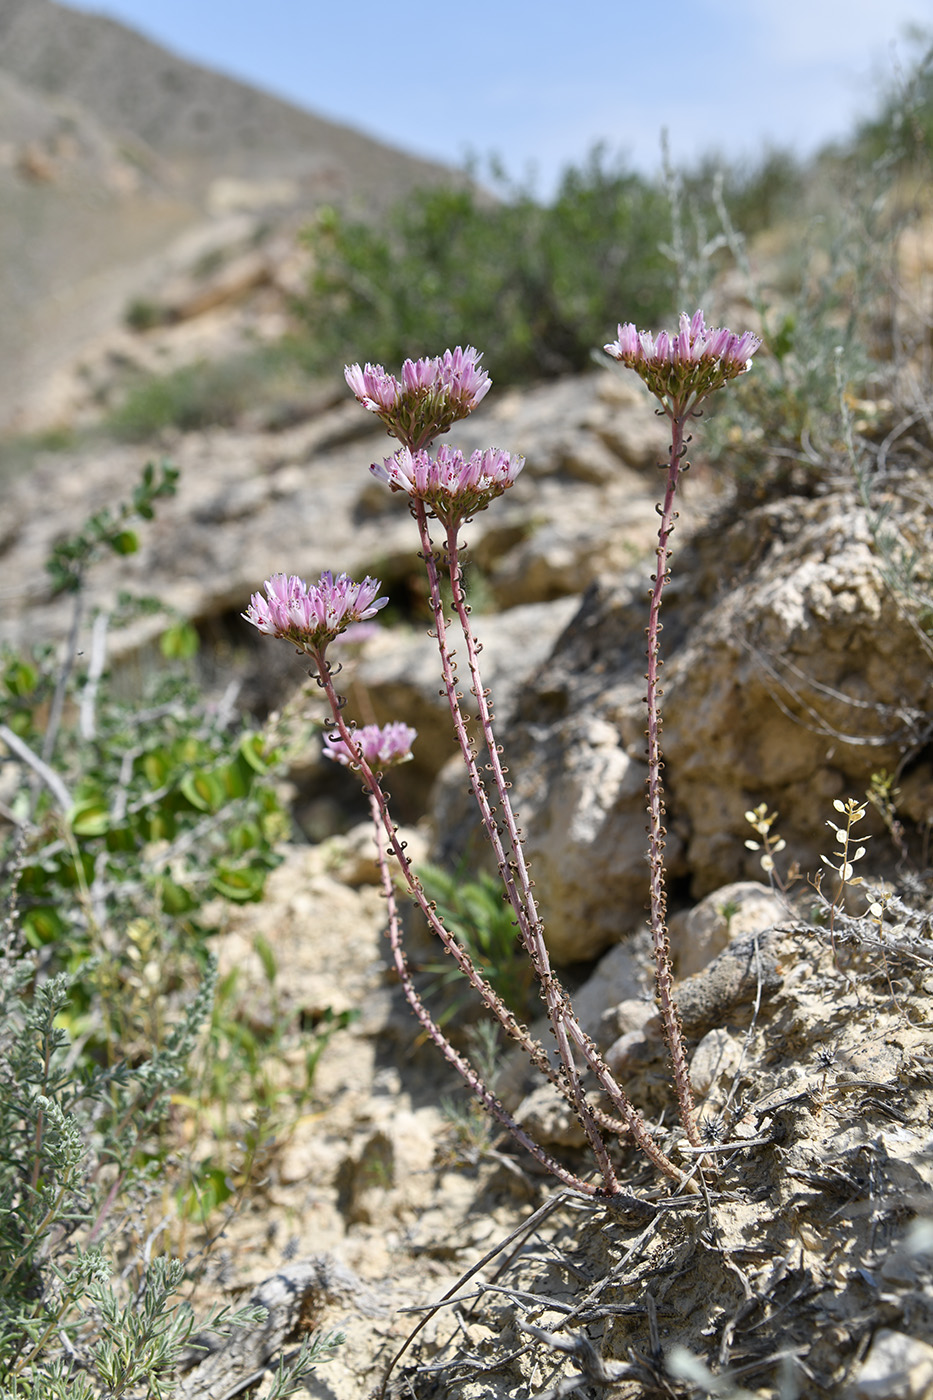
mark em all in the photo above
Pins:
pixel 133 1089
pixel 534 286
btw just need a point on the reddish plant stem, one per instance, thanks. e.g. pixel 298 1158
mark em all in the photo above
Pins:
pixel 513 872
pixel 566 1027
pixel 486 1097
pixel 664 976
pixel 533 1048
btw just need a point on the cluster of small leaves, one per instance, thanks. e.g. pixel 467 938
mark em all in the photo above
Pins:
pixel 158 804
pixel 108 530
pixel 483 923
pixel 769 844
pixel 69 1133
pixel 170 806
pixel 881 903
pixel 843 862
pixel 536 285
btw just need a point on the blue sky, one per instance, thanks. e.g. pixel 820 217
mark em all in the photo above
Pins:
pixel 538 82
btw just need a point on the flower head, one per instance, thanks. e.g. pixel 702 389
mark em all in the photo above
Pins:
pixel 379 746
pixel 682 369
pixel 452 485
pixel 429 397
pixel 311 615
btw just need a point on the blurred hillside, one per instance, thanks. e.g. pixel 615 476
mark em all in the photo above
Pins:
pixel 111 147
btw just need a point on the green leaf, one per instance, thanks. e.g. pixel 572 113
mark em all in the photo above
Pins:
pixel 124 542
pixel 237 778
pixel 90 817
pixel 155 766
pixel 241 884
pixel 20 678
pixel 42 926
pixel 254 751
pixel 175 898
pixel 205 791
pixel 180 642
pixel 20 721
pixel 244 836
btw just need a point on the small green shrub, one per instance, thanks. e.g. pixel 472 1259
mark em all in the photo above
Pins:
pixel 270 382
pixel 475 912
pixel 137 815
pixel 74 1154
pixel 143 315
pixel 129 820
pixel 88 1310
pixel 537 286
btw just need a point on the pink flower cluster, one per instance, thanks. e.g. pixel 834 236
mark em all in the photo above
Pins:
pixel 452 485
pixel 430 396
pixel 378 746
pixel 311 615
pixel 682 369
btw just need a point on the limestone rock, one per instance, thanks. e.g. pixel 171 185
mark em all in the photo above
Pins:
pixel 715 1058
pixel 700 934
pixel 620 978
pixel 805 678
pixel 546 1115
pixel 580 808
pixel 791 675
pixel 639 1038
pixel 400 673
pixel 897 1367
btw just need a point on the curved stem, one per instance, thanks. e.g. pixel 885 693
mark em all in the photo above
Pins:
pixel 485 1095
pixel 664 976
pixel 566 1027
pixel 513 871
pixel 533 1048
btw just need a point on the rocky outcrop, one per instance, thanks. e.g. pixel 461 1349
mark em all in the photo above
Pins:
pixel 804 678
pixel 111 147
pixel 302 500
pixel 793 672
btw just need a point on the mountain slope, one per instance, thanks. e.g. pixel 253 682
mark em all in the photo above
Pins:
pixel 110 146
